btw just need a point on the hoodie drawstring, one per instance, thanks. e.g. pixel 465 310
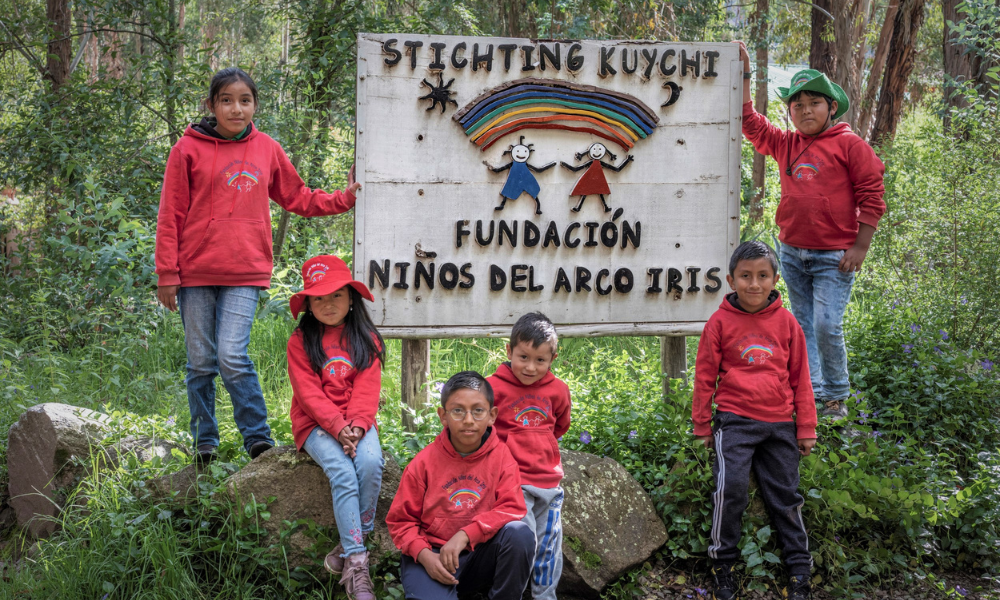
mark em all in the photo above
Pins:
pixel 211 204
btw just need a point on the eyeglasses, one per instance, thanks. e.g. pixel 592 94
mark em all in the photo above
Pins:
pixel 478 414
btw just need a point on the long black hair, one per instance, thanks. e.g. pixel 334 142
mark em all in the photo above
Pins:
pixel 360 337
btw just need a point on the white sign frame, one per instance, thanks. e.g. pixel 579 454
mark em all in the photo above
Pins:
pixel 382 214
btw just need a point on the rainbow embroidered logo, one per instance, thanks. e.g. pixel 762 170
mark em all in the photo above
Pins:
pixel 758 348
pixel 317 275
pixel 457 497
pixel 801 80
pixel 336 361
pixel 249 176
pixel 805 171
pixel 532 413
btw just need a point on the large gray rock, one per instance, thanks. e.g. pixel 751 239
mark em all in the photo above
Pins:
pixel 609 524
pixel 301 491
pixel 48 447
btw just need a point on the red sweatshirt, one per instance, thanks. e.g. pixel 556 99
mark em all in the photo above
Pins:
pixel 442 492
pixel 214 226
pixel 755 365
pixel 338 397
pixel 532 419
pixel 834 184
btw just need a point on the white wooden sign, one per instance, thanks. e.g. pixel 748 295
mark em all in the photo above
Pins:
pixel 595 181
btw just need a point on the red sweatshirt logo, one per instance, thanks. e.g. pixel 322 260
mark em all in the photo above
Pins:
pixel 465 491
pixel 809 167
pixel 531 410
pixel 756 348
pixel 243 176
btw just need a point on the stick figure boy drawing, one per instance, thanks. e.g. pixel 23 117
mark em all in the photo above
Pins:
pixel 520 180
pixel 593 180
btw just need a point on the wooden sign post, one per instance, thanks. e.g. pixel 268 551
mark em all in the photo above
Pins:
pixel 594 181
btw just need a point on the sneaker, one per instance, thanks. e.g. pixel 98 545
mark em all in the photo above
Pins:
pixel 799 588
pixel 334 562
pixel 725 582
pixel 357 581
pixel 834 409
pixel 206 454
pixel 259 448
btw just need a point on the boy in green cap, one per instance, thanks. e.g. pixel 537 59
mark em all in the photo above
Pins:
pixel 831 202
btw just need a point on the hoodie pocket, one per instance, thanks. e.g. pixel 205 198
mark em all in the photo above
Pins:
pixel 769 394
pixel 534 449
pixel 804 219
pixel 232 247
pixel 443 528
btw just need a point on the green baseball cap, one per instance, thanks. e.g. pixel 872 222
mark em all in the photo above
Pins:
pixel 811 80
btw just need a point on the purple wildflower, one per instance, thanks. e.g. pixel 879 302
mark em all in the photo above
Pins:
pixel 936 349
pixel 944 335
pixel 907 348
pixel 962 299
pixel 439 386
pixel 633 434
pixel 961 591
pixel 585 437
pixel 914 328
pixel 987 365
pixel 701 591
pixel 876 433
pixel 864 417
pixel 171 422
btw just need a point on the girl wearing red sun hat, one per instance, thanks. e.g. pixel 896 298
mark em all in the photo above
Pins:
pixel 335 359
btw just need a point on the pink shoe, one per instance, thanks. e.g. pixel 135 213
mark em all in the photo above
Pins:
pixel 357 581
pixel 334 562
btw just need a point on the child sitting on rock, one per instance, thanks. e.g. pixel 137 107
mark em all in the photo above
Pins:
pixel 533 413
pixel 457 514
pixel 752 363
pixel 335 362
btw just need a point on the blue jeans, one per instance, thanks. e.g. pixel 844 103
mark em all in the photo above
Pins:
pixel 819 292
pixel 217 321
pixel 354 483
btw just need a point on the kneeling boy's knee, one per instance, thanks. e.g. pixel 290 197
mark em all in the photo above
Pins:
pixel 518 535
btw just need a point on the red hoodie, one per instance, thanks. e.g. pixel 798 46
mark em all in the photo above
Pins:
pixel 755 365
pixel 338 397
pixel 532 418
pixel 214 226
pixel 443 492
pixel 834 184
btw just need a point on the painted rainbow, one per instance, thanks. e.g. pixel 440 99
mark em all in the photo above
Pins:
pixel 530 409
pixel 806 167
pixel 337 359
pixel 763 349
pixel 243 174
pixel 455 496
pixel 534 103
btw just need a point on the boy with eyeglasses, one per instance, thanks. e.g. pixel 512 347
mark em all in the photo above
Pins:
pixel 456 515
pixel 533 412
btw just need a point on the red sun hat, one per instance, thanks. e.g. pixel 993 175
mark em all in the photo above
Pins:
pixel 322 275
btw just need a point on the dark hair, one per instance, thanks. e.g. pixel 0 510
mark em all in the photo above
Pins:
pixel 811 94
pixel 360 337
pixel 752 250
pixel 536 329
pixel 467 380
pixel 224 78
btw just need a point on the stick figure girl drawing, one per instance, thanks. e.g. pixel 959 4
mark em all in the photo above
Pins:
pixel 593 180
pixel 520 180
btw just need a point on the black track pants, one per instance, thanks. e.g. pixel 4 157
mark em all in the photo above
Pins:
pixel 771 450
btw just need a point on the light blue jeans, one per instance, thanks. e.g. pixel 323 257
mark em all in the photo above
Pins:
pixel 217 321
pixel 819 292
pixel 354 483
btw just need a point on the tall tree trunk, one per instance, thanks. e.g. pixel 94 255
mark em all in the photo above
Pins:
pixel 958 66
pixel 760 102
pixel 864 123
pixel 173 46
pixel 899 65
pixel 850 26
pixel 821 52
pixel 60 45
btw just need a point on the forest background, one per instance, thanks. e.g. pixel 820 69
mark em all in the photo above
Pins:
pixel 93 94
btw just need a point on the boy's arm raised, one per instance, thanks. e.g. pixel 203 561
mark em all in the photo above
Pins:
pixel 706 375
pixel 764 135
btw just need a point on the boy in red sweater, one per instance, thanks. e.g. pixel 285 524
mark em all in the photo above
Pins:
pixel 533 413
pixel 831 202
pixel 456 515
pixel 752 363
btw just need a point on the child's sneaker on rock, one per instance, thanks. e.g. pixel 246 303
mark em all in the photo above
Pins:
pixel 357 581
pixel 334 562
pixel 725 582
pixel 799 588
pixel 834 409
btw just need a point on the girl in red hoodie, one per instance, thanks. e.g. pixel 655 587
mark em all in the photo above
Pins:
pixel 335 362
pixel 213 250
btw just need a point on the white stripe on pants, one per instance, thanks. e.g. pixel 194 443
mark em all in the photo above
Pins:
pixel 545 519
